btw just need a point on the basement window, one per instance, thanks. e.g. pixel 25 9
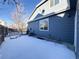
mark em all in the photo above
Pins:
pixel 44 25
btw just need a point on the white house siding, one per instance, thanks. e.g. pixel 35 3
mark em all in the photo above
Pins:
pixel 45 7
pixel 62 6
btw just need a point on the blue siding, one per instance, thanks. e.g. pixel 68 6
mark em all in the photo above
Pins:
pixel 35 29
pixel 60 28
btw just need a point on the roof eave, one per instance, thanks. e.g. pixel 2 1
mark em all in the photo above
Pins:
pixel 37 7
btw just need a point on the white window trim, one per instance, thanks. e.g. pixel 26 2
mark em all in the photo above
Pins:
pixel 48 25
pixel 53 3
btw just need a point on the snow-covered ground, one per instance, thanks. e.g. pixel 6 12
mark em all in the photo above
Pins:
pixel 26 47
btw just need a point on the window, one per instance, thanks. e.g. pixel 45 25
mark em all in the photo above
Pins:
pixel 44 25
pixel 54 2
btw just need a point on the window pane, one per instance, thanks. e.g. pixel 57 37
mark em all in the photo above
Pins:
pixel 51 3
pixel 44 24
pixel 56 2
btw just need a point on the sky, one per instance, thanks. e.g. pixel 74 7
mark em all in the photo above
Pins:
pixel 6 10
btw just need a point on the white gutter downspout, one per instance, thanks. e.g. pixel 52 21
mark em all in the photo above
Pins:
pixel 75 32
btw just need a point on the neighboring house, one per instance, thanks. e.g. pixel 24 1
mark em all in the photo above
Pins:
pixel 2 23
pixel 3 30
pixel 54 19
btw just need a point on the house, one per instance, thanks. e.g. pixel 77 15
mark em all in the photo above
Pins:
pixel 54 19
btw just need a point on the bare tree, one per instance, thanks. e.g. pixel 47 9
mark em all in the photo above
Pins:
pixel 18 15
pixel 10 1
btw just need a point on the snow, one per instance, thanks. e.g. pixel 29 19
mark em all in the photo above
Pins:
pixel 26 47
